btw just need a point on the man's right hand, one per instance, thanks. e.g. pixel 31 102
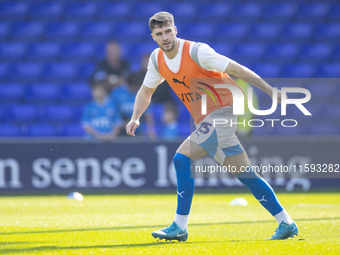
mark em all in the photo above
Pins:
pixel 131 127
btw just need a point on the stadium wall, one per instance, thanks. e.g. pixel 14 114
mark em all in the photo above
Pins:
pixel 137 165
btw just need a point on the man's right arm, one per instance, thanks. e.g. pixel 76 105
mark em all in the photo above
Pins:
pixel 143 99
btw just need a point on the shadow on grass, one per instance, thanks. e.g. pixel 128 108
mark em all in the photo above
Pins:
pixel 157 226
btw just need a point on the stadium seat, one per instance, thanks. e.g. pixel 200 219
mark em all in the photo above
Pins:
pixel 184 11
pixel 233 32
pixel 58 113
pixel 10 130
pixel 289 131
pixel 47 51
pixel 13 10
pixel 61 31
pixel 328 32
pixel 61 72
pixel 11 93
pixel 27 31
pixel 46 11
pixel 43 93
pixel 297 32
pixel 96 31
pixel 201 32
pixel 157 112
pixel 334 14
pixel 27 71
pixel 325 128
pixel 4 71
pixel 279 12
pixel 282 53
pixel 84 11
pixel 73 130
pixel 267 69
pixel 299 70
pixel 312 12
pixel 137 51
pixel 23 113
pixel 78 51
pixel 224 49
pixel 76 93
pixel 114 11
pixel 132 31
pixel 246 12
pixel 14 51
pixel 85 71
pixel 330 70
pixel 320 52
pixel 250 51
pixel 144 10
pixel 332 112
pixel 214 13
pixel 42 130
pixel 265 32
pixel 4 30
pixel 322 91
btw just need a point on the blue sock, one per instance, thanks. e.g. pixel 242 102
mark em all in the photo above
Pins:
pixel 185 183
pixel 261 190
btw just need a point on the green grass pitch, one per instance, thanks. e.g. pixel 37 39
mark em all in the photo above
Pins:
pixel 122 224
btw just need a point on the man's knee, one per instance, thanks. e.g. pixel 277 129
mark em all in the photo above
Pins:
pixel 240 162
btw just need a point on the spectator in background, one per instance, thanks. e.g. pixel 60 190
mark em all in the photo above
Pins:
pixel 101 117
pixel 246 130
pixel 113 68
pixel 124 97
pixel 170 123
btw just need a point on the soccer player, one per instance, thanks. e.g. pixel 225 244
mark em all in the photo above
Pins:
pixel 180 62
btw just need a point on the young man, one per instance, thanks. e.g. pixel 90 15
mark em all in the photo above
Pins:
pixel 181 62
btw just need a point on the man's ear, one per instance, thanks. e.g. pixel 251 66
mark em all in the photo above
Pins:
pixel 153 38
pixel 175 30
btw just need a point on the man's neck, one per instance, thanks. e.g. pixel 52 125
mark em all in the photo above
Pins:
pixel 171 54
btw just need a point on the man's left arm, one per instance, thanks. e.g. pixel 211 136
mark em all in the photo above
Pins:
pixel 244 73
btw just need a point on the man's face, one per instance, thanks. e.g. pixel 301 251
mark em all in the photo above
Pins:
pixel 165 37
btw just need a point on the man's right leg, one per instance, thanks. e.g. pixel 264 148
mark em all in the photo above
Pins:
pixel 186 153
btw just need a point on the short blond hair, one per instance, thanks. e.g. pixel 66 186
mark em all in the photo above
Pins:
pixel 160 19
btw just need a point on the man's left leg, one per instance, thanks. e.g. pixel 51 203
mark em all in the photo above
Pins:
pixel 264 193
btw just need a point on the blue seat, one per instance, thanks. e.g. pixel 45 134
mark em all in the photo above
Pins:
pixel 61 31
pixel 58 113
pixel 201 32
pixel 320 52
pixel 61 72
pixel 216 12
pixel 250 51
pixel 78 51
pixel 280 11
pixel 76 93
pixel 46 11
pixel 157 113
pixel 73 130
pixel 10 130
pixel 184 11
pixel 225 49
pixel 83 11
pixel 332 112
pixel 114 11
pixel 27 71
pixel 138 50
pixel 297 32
pixel 328 32
pixel 13 10
pixel 326 128
pixel 330 70
pixel 96 31
pixel 11 93
pixel 27 31
pixel 23 113
pixel 246 12
pixel 4 71
pixel 48 51
pixel 313 12
pixel 334 14
pixel 299 70
pixel 12 51
pixel 43 130
pixel 265 32
pixel 322 91
pixel 4 112
pixel 132 31
pixel 233 32
pixel 43 93
pixel 283 52
pixel 144 10
pixel 85 71
pixel 4 30
pixel 289 131
pixel 336 53
pixel 267 69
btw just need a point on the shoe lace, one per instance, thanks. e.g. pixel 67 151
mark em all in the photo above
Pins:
pixel 170 228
